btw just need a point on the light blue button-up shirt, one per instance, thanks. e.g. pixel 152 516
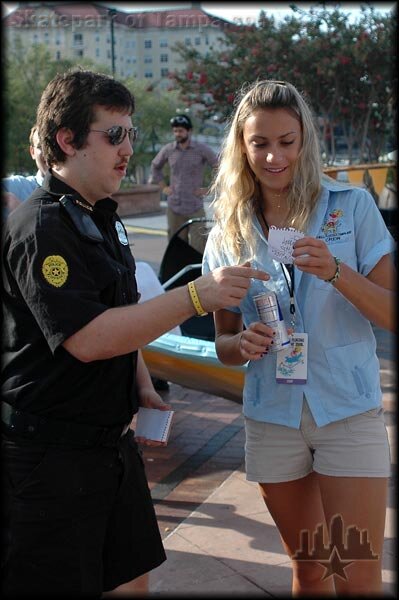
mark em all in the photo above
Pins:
pixel 343 368
pixel 22 186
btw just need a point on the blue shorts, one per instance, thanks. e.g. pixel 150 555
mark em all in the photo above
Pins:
pixel 353 447
pixel 77 521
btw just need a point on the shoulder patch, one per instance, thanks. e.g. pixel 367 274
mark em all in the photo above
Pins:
pixel 55 270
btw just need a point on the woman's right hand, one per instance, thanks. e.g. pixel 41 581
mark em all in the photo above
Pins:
pixel 255 341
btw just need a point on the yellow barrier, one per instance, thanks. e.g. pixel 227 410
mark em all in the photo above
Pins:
pixel 358 174
pixel 379 177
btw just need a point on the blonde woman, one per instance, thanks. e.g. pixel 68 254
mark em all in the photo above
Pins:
pixel 318 448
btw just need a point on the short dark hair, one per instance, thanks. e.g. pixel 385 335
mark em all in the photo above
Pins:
pixel 69 100
pixel 181 121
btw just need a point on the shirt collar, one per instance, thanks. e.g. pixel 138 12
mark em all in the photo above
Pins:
pixel 335 186
pixel 39 177
pixel 56 187
pixel 191 144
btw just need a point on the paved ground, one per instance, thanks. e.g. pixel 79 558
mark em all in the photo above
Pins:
pixel 218 535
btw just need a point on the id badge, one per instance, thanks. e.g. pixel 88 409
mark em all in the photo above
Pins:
pixel 292 361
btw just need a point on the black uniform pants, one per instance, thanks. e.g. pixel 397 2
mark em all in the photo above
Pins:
pixel 77 522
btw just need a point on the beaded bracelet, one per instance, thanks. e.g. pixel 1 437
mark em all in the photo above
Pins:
pixel 337 272
pixel 195 300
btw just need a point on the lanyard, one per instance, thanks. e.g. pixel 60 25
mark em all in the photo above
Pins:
pixel 289 268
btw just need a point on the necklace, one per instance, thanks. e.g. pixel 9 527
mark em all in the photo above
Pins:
pixel 278 196
pixel 277 220
pixel 282 194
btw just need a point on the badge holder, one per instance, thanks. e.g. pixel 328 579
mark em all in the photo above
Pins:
pixel 292 362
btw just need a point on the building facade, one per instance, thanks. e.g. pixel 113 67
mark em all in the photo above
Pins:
pixel 129 44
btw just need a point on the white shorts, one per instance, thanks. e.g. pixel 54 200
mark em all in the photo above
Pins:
pixel 353 447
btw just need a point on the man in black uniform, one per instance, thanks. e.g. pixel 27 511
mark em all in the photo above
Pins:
pixel 79 518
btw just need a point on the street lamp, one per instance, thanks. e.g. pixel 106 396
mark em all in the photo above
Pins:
pixel 153 137
pixel 112 13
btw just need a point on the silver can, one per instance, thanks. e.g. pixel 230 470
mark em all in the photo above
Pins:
pixel 269 313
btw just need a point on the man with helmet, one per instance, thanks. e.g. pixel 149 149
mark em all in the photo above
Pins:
pixel 187 160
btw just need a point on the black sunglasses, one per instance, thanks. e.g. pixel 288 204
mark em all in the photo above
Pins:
pixel 179 121
pixel 117 134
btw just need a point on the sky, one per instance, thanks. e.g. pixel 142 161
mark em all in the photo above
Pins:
pixel 245 13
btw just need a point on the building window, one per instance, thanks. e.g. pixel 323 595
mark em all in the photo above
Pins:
pixel 148 74
pixel 197 41
pixel 78 52
pixel 164 58
pixel 163 43
pixel 148 44
pixel 164 72
pixel 187 41
pixel 206 40
pixel 78 39
pixel 58 55
pixel 147 60
pixel 97 52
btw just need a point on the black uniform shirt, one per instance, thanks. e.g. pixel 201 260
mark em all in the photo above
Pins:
pixel 55 281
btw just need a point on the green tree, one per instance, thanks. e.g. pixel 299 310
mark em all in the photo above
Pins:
pixel 345 69
pixel 154 108
pixel 26 74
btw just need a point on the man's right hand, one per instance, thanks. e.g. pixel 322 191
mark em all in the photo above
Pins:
pixel 226 286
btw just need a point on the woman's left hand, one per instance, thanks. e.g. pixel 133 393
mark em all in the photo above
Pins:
pixel 313 256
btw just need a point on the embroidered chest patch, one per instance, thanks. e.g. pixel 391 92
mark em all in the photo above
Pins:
pixel 332 228
pixel 331 224
pixel 55 270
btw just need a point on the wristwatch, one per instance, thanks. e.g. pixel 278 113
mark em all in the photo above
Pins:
pixel 337 272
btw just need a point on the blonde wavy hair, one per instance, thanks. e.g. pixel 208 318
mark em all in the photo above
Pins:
pixel 236 191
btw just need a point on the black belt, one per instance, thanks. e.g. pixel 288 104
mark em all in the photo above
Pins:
pixel 51 431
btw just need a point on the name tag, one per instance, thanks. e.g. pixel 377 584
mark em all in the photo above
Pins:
pixel 292 361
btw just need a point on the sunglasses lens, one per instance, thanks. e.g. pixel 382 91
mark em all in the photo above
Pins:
pixel 133 134
pixel 116 135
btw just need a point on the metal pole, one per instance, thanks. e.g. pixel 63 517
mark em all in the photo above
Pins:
pixel 112 13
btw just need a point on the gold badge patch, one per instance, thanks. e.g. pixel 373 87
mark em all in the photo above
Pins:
pixel 55 270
